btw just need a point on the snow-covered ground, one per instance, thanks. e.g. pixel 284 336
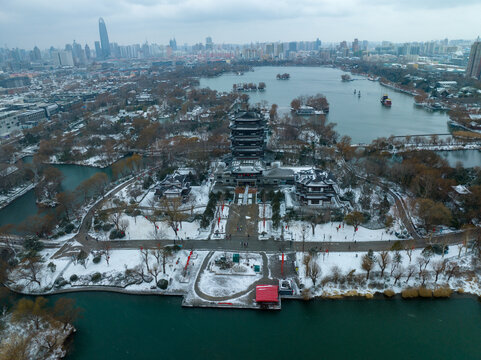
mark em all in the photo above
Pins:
pixel 121 270
pixel 345 263
pixel 335 232
pixel 46 342
pixel 215 281
pixel 140 228
pixel 14 193
pixel 220 221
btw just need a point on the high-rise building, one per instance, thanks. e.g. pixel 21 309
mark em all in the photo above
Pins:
pixel 87 52
pixel 62 58
pixel 355 46
pixel 209 45
pixel 104 39
pixel 98 50
pixel 78 54
pixel 473 70
pixel 173 44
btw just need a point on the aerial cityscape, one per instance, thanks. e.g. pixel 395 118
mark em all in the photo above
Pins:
pixel 216 198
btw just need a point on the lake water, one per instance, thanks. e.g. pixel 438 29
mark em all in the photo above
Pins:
pixel 125 327
pixel 25 205
pixel 363 119
pixel 469 158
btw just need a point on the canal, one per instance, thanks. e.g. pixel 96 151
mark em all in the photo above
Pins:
pixel 25 205
pixel 125 327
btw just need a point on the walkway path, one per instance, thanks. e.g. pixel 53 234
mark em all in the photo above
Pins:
pixel 242 223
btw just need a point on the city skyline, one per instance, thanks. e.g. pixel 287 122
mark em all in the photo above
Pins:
pixel 191 22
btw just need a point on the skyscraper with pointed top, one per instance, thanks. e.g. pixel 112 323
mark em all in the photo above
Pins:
pixel 104 39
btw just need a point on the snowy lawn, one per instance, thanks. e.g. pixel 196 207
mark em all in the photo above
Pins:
pixel 237 277
pixel 339 264
pixel 122 270
pixel 140 228
pixel 331 232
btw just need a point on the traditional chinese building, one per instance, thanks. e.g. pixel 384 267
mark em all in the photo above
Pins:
pixel 316 187
pixel 248 142
pixel 173 186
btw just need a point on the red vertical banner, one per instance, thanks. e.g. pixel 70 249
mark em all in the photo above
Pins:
pixel 188 260
pixel 282 264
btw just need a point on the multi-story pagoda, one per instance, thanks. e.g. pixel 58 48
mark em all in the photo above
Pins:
pixel 248 142
pixel 248 137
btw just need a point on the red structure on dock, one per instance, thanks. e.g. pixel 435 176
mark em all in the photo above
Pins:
pixel 267 294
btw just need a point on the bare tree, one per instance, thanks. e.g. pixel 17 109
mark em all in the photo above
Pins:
pixel 409 252
pixel 336 273
pixel 438 267
pixel 123 225
pixel 383 261
pixel 422 263
pixel 30 268
pixel 49 342
pixel 367 264
pixel 398 274
pixel 144 255
pixel 173 212
pixel 106 251
pixel 315 271
pixel 155 270
pixel 140 271
pixel 460 249
pixel 307 261
pixel 161 255
pixel 451 269
pixel 116 216
pixel 410 272
pixel 424 276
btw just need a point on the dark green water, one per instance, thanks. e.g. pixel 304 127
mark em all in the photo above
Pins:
pixel 25 205
pixel 122 327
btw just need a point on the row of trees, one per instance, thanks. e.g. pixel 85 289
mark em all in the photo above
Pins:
pixel 388 266
pixel 44 327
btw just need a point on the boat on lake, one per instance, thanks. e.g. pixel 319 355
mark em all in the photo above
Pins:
pixel 305 110
pixel 386 101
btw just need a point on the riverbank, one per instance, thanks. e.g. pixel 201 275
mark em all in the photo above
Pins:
pixel 15 193
pixel 196 277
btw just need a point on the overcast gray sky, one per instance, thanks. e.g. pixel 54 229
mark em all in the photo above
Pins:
pixel 25 23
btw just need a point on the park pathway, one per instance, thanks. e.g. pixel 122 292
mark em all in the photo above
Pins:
pixel 242 223
pixel 264 280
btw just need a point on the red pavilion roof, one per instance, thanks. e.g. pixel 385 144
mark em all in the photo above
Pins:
pixel 267 293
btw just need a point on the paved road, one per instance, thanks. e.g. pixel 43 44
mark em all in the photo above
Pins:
pixel 256 245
